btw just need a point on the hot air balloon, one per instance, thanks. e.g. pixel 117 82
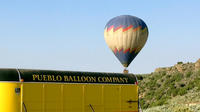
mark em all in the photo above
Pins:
pixel 126 35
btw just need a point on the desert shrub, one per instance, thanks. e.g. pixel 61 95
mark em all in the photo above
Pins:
pixel 160 102
pixel 182 109
pixel 168 76
pixel 150 95
pixel 182 91
pixel 163 73
pixel 198 72
pixel 190 85
pixel 158 96
pixel 144 104
pixel 152 78
pixel 198 88
pixel 167 82
pixel 188 74
pixel 141 101
pixel 180 62
pixel 177 77
pixel 158 85
pixel 173 92
pixel 139 77
pixel 182 85
pixel 196 83
pixel 161 80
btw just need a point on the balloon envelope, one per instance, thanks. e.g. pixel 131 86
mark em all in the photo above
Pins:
pixel 126 35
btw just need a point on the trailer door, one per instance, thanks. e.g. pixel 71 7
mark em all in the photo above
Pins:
pixel 129 98
pixel 93 98
pixel 10 97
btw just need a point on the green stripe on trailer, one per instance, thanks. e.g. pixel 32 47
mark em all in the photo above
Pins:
pixel 9 75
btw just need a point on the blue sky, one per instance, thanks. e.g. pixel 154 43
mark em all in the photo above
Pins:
pixel 68 34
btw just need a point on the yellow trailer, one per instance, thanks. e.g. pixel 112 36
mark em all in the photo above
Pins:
pixel 23 90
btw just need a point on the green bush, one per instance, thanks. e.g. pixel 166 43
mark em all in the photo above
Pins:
pixel 177 77
pixel 190 86
pixel 188 74
pixel 139 77
pixel 182 91
pixel 182 85
pixel 180 62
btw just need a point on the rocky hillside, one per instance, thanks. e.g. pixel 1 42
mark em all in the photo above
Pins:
pixel 171 89
pixel 180 67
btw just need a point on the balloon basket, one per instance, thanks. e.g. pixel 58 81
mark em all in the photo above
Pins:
pixel 125 71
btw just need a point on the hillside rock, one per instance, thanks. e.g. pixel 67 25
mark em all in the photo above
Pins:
pixel 197 65
pixel 185 67
pixel 160 70
pixel 180 67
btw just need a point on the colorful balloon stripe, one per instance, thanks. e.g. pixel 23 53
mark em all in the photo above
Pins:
pixel 117 28
pixel 125 51
pixel 123 29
